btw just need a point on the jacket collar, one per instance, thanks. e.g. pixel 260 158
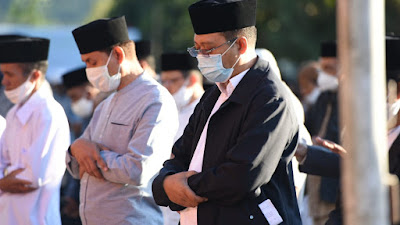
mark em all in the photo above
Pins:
pixel 252 79
pixel 243 90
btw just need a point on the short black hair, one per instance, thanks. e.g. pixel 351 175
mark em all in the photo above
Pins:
pixel 249 32
pixel 27 68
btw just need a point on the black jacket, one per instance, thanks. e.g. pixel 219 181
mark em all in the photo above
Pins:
pixel 314 117
pixel 247 159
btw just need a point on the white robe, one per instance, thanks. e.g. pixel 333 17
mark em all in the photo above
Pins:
pixel 36 138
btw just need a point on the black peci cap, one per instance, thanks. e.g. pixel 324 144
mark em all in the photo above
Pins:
pixel 177 61
pixel 75 78
pixel 211 16
pixel 20 49
pixel 393 57
pixel 101 34
pixel 328 49
pixel 143 49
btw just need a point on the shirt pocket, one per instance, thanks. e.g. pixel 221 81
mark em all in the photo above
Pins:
pixel 119 136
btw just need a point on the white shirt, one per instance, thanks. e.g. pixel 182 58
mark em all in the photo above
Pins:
pixel 2 125
pixel 189 215
pixel 172 217
pixel 36 138
pixel 184 115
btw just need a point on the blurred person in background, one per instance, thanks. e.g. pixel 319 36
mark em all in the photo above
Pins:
pixel 83 102
pixel 322 121
pixel 181 77
pixel 83 97
pixel 35 141
pixel 130 134
pixel 146 59
pixel 308 86
pixel 320 162
pixel 179 74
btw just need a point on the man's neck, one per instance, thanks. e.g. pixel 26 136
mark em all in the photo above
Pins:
pixel 133 71
pixel 246 62
pixel 35 89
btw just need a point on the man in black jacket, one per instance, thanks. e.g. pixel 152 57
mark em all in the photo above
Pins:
pixel 232 164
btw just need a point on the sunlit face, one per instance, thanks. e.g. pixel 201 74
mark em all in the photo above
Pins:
pixel 173 80
pixel 306 86
pixel 212 40
pixel 98 58
pixel 13 75
pixel 329 65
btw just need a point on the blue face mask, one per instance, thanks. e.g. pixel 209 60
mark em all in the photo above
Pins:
pixel 212 68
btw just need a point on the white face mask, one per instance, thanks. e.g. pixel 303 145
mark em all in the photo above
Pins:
pixel 21 93
pixel 212 67
pixel 183 96
pixel 313 96
pixel 83 107
pixel 327 82
pixel 101 79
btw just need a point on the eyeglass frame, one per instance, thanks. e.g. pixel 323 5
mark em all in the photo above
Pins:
pixel 195 52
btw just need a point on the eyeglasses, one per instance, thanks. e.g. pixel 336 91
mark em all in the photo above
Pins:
pixel 194 52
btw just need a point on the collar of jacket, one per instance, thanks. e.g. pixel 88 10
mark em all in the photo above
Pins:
pixel 244 89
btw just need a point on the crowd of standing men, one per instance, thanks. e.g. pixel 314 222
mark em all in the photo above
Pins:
pixel 159 149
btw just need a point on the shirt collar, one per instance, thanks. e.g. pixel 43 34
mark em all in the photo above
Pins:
pixel 228 88
pixel 25 111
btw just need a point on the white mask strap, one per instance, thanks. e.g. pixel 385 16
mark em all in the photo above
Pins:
pixel 109 58
pixel 229 47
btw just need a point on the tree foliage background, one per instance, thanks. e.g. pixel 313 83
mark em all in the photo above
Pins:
pixel 291 29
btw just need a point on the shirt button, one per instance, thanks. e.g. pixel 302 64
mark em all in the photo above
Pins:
pixel 251 217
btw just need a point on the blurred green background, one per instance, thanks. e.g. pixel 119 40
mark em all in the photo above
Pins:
pixel 290 29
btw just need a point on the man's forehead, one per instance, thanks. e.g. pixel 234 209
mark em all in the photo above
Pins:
pixel 212 38
pixel 328 60
pixel 171 74
pixel 10 67
pixel 93 56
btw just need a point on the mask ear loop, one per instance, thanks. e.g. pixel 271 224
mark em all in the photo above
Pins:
pixel 236 61
pixel 229 47
pixel 109 58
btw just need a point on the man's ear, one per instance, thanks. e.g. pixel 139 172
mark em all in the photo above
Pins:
pixel 36 75
pixel 119 52
pixel 243 44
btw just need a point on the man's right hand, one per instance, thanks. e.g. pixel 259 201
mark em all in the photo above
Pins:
pixel 14 185
pixel 88 156
pixel 338 149
pixel 179 192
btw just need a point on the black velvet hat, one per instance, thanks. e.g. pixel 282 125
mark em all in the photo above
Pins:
pixel 177 61
pixel 101 34
pixel 10 36
pixel 393 57
pixel 143 49
pixel 328 49
pixel 211 16
pixel 19 49
pixel 75 78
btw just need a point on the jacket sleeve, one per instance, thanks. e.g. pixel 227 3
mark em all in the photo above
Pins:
pixel 321 162
pixel 268 128
pixel 148 148
pixel 179 163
